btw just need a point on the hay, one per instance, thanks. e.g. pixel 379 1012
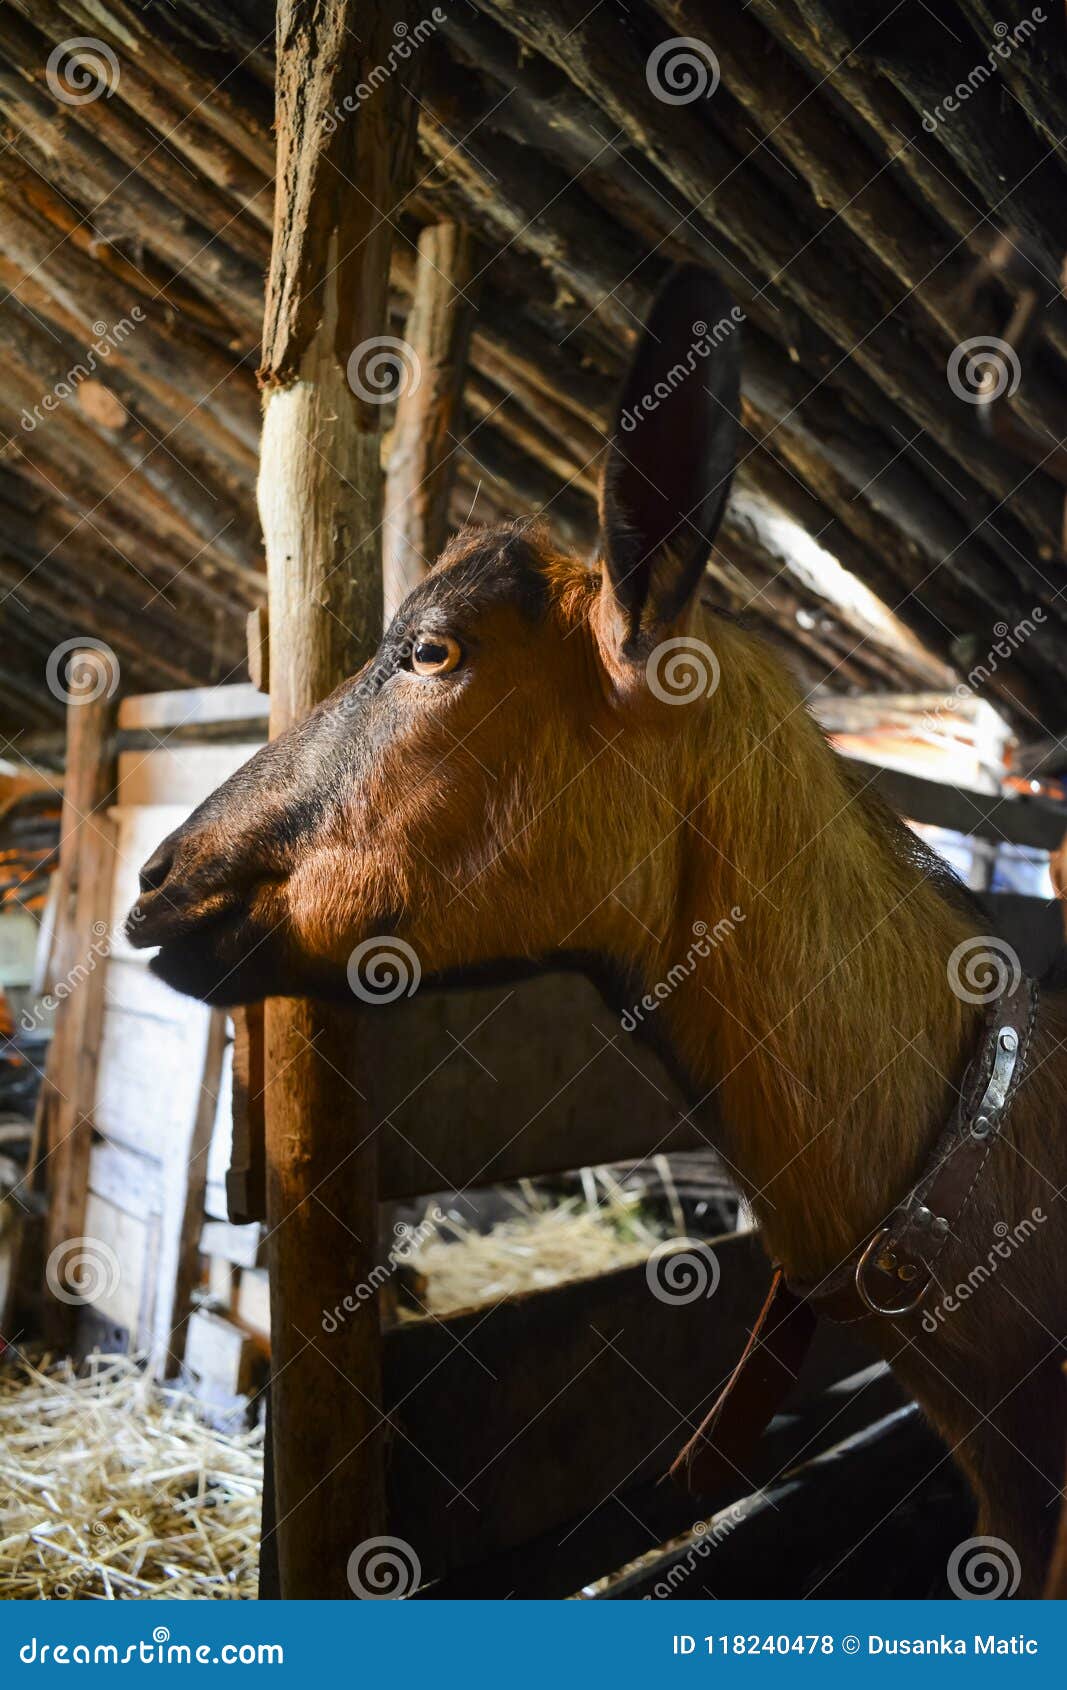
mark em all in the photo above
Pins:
pixel 114 1488
pixel 547 1243
pixel 111 1487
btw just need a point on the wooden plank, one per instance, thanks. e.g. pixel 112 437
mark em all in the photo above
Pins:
pixel 240 703
pixel 510 1422
pixel 127 1179
pixel 246 1177
pixel 477 1087
pixel 149 1077
pixel 239 1245
pixel 179 774
pixel 130 988
pixel 86 858
pixel 184 1185
pixel 257 639
pixel 633 1522
pixel 220 1356
pixel 848 1516
pixel 1017 821
pixel 117 1251
pixel 140 828
pixel 252 1306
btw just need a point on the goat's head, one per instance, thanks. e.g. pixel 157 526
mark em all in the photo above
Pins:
pixel 491 777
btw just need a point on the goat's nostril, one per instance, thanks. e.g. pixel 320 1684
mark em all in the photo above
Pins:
pixel 156 869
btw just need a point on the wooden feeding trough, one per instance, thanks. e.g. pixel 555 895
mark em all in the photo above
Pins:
pixel 509 198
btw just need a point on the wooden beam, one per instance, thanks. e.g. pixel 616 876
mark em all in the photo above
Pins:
pixel 849 1517
pixel 257 637
pixel 86 867
pixel 525 1080
pixel 422 461
pixel 246 1176
pixel 341 168
pixel 983 815
pixel 627 1524
pixel 512 1420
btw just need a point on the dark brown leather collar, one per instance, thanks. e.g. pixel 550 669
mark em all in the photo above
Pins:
pixel 889 1272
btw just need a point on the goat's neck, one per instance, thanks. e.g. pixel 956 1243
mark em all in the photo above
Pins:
pixel 821 1026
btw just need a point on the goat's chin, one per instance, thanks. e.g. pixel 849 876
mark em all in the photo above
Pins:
pixel 236 970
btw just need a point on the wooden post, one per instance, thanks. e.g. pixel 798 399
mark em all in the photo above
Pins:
pixel 86 870
pixel 422 462
pixel 342 162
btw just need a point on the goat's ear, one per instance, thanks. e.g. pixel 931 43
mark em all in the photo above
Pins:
pixel 671 455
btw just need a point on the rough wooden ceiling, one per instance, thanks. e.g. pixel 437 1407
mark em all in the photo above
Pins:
pixel 816 176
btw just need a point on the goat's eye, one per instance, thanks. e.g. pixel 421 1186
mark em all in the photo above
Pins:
pixel 435 654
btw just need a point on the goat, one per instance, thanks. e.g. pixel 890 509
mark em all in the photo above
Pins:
pixel 553 761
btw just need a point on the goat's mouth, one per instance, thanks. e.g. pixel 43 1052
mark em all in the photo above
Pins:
pixel 216 953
